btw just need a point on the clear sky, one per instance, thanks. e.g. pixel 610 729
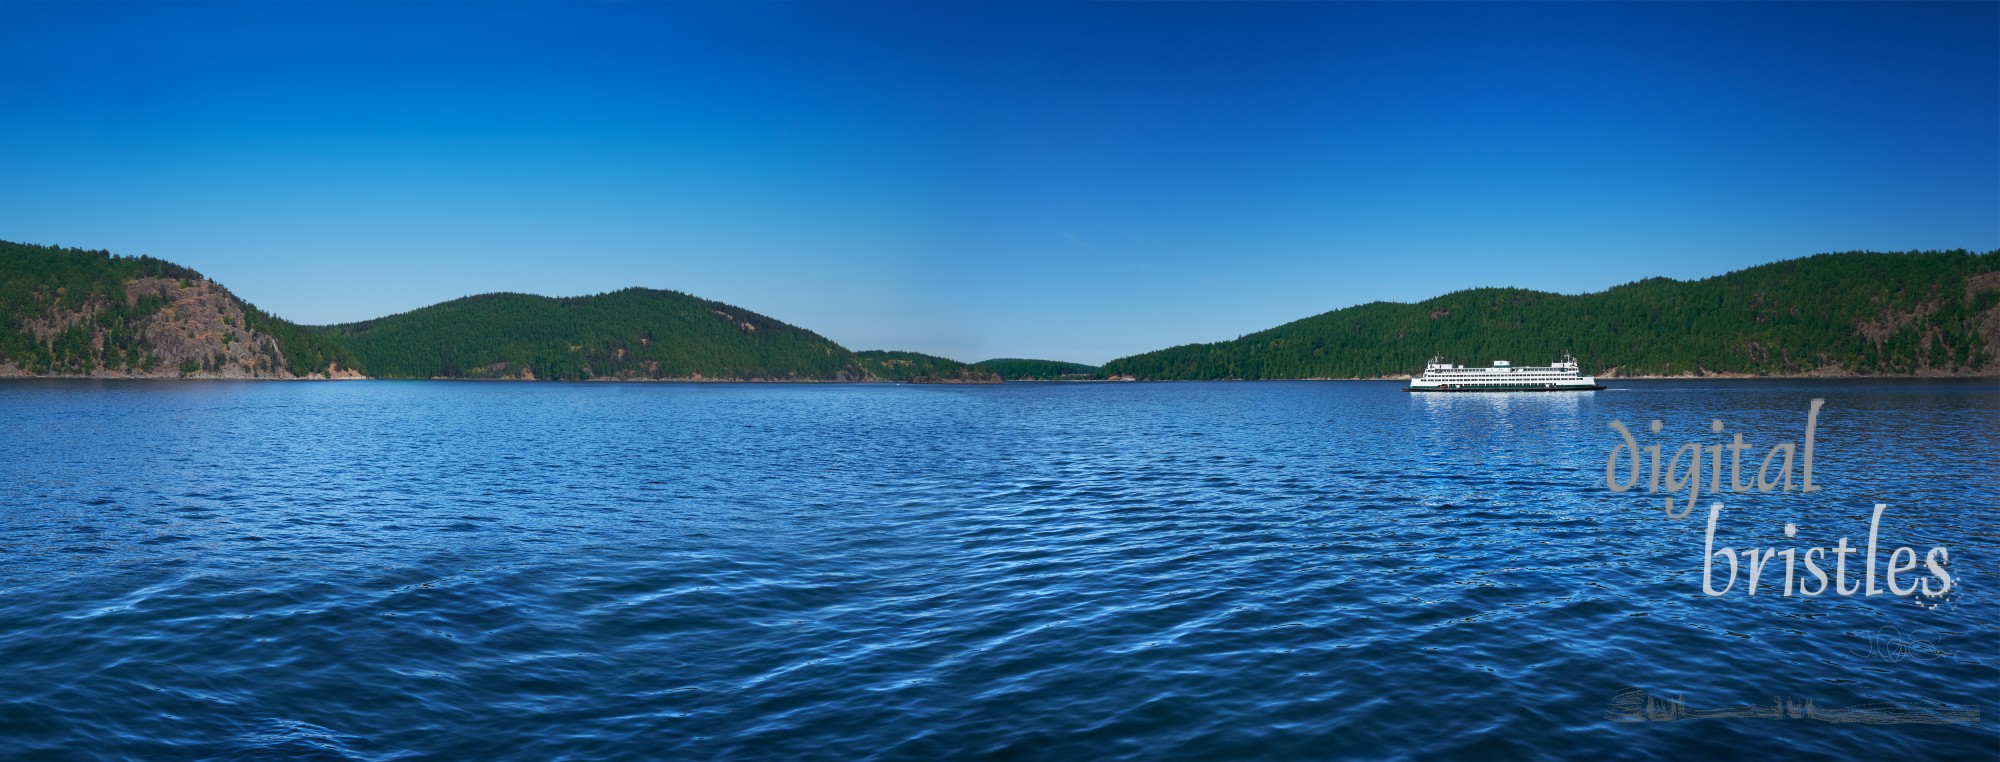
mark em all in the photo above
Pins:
pixel 1070 181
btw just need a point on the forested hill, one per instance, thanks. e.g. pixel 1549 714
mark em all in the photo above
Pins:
pixel 914 367
pixel 72 312
pixel 1855 313
pixel 632 334
pixel 78 312
pixel 1018 369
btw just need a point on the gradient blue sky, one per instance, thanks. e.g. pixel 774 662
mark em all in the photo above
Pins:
pixel 1072 181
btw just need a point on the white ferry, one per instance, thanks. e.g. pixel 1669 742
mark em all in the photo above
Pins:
pixel 1565 376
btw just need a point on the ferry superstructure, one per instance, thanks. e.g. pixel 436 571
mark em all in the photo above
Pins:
pixel 1503 376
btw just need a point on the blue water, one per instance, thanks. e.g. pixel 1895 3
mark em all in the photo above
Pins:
pixel 383 570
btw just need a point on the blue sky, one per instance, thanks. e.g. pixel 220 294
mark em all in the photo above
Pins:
pixel 1072 181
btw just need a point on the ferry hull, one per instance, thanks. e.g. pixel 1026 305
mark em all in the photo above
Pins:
pixel 1503 388
pixel 1564 376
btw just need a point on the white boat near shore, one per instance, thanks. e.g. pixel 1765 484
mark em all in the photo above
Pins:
pixel 1503 376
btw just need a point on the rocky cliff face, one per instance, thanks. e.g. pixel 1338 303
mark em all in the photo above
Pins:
pixel 202 331
pixel 164 328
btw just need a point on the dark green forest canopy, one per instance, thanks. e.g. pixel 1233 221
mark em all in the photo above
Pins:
pixel 636 333
pixel 1019 369
pixel 922 368
pixel 1920 312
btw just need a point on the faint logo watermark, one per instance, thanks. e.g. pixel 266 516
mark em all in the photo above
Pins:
pixel 1636 705
pixel 1888 644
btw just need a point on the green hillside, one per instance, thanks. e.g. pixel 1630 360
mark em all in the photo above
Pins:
pixel 1916 313
pixel 631 334
pixel 71 311
pixel 912 367
pixel 77 312
pixel 1017 369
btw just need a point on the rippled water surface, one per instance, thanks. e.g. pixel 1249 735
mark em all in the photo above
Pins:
pixel 381 570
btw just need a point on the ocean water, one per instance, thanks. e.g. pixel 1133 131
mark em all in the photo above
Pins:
pixel 389 570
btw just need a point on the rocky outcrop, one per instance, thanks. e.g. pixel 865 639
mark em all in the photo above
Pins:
pixel 167 328
pixel 202 332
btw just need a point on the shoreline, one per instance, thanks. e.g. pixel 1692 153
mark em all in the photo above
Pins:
pixel 598 380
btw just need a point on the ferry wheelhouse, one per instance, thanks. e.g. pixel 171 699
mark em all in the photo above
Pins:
pixel 1503 376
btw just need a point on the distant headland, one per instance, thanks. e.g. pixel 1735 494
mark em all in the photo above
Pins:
pixel 1919 313
pixel 68 312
